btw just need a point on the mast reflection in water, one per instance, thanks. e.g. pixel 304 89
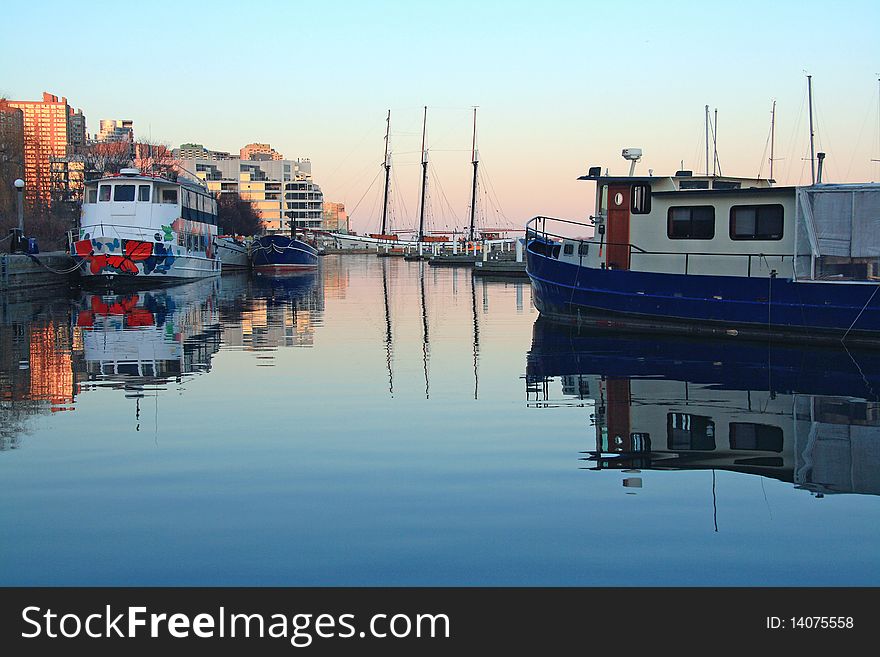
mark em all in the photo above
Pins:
pixel 806 416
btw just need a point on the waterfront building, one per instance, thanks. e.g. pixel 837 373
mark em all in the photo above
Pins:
pixel 335 218
pixel 115 130
pixel 282 191
pixel 47 135
pixel 198 152
pixel 79 136
pixel 259 152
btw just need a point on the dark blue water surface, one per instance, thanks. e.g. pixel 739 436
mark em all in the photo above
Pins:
pixel 384 422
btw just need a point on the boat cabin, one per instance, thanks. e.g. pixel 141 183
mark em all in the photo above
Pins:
pixel 135 200
pixel 721 226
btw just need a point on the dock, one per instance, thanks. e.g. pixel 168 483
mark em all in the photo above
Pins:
pixel 19 271
pixel 501 268
pixel 453 260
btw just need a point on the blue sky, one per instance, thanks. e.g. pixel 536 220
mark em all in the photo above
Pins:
pixel 560 85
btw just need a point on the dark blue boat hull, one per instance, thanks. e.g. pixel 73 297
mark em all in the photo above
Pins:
pixel 281 253
pixel 699 304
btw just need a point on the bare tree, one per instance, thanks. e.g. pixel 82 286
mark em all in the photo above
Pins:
pixel 237 216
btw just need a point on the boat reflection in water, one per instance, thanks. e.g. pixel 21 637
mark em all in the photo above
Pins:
pixel 282 310
pixel 147 337
pixel 807 416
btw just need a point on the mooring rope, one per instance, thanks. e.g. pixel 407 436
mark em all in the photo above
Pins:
pixel 55 271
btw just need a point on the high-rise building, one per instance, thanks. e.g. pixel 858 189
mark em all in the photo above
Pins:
pixel 282 191
pixel 78 132
pixel 47 135
pixel 259 152
pixel 116 130
pixel 335 218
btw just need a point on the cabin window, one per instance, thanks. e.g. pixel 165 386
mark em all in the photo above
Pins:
pixel 568 249
pixel 695 222
pixel 92 195
pixel 123 193
pixel 169 196
pixel 693 184
pixel 641 199
pixel 582 248
pixel 144 193
pixel 758 437
pixel 105 193
pixel 689 432
pixel 726 184
pixel 603 200
pixel 756 222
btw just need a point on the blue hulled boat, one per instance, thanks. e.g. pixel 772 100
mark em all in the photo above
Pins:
pixel 715 255
pixel 283 253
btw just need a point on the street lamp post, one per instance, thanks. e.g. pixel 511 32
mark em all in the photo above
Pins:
pixel 19 236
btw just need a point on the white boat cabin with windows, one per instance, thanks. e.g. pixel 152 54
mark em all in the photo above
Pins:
pixel 686 224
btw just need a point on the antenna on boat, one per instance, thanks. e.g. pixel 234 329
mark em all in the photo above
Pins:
pixel 707 140
pixel 772 135
pixel 424 179
pixel 474 160
pixel 715 143
pixel 387 166
pixel 878 121
pixel 812 150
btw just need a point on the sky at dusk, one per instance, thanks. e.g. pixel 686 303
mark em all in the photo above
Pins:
pixel 560 86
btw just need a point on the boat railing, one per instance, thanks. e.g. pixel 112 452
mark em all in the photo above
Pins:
pixel 144 233
pixel 757 264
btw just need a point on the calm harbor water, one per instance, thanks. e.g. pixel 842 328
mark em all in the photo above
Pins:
pixel 383 422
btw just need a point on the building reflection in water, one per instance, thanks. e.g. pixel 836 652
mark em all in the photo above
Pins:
pixel 282 311
pixel 805 415
pixel 36 365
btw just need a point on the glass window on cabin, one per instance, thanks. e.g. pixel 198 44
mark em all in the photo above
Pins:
pixel 726 184
pixel 105 193
pixel 169 196
pixel 691 222
pixel 603 200
pixel 144 193
pixel 92 195
pixel 756 222
pixel 123 193
pixel 583 248
pixel 693 184
pixel 641 199
pixel 568 249
pixel 689 432
pixel 757 437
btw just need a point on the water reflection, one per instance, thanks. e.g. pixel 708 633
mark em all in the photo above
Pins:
pixel 58 344
pixel 283 311
pixel 36 372
pixel 807 416
pixel 145 338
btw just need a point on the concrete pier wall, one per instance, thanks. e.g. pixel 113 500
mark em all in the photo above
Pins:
pixel 19 271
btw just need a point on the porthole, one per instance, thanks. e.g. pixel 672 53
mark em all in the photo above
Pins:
pixel 618 199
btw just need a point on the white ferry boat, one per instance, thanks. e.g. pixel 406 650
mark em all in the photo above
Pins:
pixel 145 230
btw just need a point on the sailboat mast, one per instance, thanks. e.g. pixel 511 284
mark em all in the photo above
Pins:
pixel 387 176
pixel 812 151
pixel 474 187
pixel 424 178
pixel 772 136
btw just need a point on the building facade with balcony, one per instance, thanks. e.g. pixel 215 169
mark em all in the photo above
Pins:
pixel 282 191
